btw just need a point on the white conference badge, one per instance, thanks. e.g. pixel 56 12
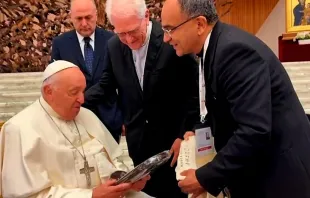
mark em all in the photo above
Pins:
pixel 204 141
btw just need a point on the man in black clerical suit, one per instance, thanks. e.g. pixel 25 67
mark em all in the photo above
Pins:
pixel 261 132
pixel 85 46
pixel 158 90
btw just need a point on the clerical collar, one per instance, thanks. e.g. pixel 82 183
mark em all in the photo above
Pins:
pixel 81 38
pixel 48 108
pixel 148 35
pixel 203 51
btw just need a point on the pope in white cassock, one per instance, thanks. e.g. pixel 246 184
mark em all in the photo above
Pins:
pixel 56 148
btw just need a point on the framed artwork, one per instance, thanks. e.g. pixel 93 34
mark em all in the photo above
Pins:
pixel 297 15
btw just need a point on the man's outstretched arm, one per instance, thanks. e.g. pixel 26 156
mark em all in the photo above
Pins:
pixel 106 85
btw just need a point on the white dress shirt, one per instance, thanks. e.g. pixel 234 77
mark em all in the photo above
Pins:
pixel 139 56
pixel 82 42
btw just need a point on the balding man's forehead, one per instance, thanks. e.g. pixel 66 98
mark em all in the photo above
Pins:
pixel 171 13
pixel 75 3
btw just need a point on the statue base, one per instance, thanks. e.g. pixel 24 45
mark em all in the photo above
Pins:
pixel 289 36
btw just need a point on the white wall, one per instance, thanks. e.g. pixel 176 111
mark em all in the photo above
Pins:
pixel 273 27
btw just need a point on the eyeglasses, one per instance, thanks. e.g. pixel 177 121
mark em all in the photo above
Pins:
pixel 130 33
pixel 169 31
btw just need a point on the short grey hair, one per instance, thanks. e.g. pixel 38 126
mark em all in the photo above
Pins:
pixel 125 8
pixel 205 8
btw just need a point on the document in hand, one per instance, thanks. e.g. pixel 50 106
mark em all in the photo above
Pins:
pixel 190 157
pixel 145 168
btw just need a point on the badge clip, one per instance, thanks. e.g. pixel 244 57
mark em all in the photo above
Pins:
pixel 202 119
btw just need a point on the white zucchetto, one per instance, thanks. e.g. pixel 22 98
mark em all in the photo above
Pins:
pixel 56 67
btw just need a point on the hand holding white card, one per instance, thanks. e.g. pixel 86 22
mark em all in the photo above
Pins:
pixel 187 157
pixel 192 157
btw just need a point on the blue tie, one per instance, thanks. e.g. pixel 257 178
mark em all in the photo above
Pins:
pixel 88 54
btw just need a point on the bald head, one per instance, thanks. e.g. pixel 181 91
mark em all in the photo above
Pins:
pixel 84 16
pixel 64 92
pixel 82 3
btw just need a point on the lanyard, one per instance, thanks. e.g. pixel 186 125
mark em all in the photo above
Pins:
pixel 202 92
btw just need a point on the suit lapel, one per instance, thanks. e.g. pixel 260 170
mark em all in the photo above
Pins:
pixel 155 43
pixel 209 57
pixel 130 64
pixel 210 94
pixel 100 44
pixel 77 52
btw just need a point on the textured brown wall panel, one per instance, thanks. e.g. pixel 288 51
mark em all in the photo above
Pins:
pixel 27 33
pixel 247 14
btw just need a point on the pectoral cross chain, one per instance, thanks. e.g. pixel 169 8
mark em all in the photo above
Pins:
pixel 87 170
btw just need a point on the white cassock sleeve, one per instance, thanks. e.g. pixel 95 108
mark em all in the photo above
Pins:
pixel 120 164
pixel 21 179
pixel 98 130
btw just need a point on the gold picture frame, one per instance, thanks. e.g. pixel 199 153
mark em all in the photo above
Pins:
pixel 293 8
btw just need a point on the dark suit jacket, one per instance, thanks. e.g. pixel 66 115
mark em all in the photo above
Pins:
pixel 67 47
pixel 168 104
pixel 262 134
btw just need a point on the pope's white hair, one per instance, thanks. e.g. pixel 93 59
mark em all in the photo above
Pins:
pixel 125 8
